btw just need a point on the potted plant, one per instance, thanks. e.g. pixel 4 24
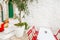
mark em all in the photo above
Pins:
pixel 22 6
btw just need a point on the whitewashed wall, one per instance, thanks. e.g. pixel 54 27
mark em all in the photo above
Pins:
pixel 46 13
pixel 0 12
pixel 5 9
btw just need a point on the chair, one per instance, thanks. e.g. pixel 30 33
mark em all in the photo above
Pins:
pixel 57 34
pixel 35 35
pixel 32 33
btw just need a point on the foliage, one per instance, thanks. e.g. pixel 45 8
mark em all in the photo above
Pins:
pixel 22 24
pixel 22 5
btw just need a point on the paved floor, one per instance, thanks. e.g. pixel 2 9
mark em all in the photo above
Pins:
pixel 24 37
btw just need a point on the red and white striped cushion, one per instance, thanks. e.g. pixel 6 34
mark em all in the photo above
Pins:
pixel 32 31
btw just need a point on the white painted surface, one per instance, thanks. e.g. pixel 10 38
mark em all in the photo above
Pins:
pixel 45 34
pixel 44 13
pixel 19 31
pixel 5 10
pixel 0 17
pixel 10 31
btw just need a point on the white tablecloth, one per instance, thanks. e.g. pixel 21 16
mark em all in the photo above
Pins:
pixel 45 34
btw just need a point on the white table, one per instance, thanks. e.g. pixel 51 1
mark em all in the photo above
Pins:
pixel 45 34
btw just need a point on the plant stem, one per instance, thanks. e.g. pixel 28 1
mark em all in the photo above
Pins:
pixel 20 16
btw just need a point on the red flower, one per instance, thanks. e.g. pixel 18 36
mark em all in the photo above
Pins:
pixel 2 27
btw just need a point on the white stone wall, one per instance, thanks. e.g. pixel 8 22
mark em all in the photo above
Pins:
pixel 0 17
pixel 46 13
pixel 0 11
pixel 5 9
